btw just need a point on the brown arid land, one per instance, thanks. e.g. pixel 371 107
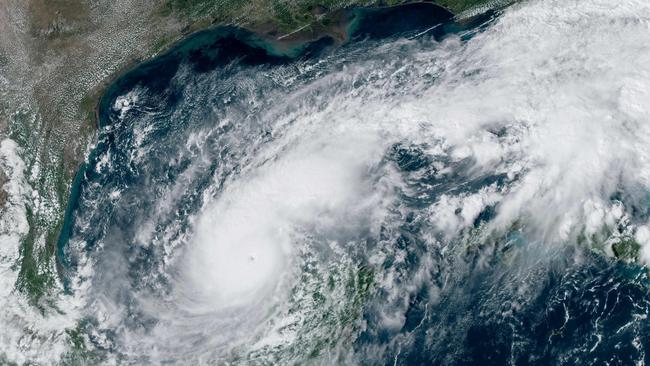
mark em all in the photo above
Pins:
pixel 56 58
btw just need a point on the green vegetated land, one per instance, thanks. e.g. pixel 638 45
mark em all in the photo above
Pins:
pixel 55 137
pixel 283 16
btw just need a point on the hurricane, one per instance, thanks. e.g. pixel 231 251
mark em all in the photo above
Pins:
pixel 474 192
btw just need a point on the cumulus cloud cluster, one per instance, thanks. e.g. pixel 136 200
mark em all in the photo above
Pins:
pixel 553 97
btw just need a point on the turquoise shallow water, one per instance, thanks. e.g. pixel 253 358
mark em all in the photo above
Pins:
pixel 247 207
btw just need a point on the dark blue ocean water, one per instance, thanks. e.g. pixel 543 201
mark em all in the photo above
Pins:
pixel 504 300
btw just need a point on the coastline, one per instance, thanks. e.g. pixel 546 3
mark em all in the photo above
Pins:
pixel 304 43
pixel 343 23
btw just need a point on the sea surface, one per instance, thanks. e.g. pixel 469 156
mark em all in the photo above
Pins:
pixel 433 191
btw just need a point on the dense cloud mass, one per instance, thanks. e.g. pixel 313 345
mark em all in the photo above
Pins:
pixel 406 200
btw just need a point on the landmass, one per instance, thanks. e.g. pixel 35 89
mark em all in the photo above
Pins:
pixel 57 57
